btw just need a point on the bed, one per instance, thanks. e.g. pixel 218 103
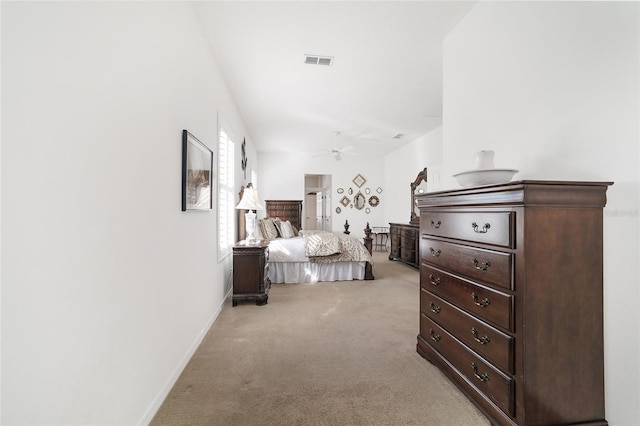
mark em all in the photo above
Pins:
pixel 309 256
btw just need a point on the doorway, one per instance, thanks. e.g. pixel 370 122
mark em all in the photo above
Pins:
pixel 317 202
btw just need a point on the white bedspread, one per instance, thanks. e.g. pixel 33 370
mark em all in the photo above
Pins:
pixel 288 263
pixel 301 272
pixel 287 250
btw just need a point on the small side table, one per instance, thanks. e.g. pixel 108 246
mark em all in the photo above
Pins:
pixel 380 237
pixel 250 267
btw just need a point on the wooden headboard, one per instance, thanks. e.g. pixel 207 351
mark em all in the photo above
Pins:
pixel 290 210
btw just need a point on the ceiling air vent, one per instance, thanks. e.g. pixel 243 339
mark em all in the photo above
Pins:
pixel 318 60
pixel 398 136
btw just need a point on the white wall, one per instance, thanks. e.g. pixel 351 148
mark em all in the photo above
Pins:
pixel 553 88
pixel 282 178
pixel 107 287
pixel 401 169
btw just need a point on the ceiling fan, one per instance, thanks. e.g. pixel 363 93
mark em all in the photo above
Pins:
pixel 337 151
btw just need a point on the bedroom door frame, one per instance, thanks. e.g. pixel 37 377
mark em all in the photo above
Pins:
pixel 318 186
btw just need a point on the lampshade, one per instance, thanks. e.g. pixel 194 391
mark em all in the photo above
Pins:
pixel 250 200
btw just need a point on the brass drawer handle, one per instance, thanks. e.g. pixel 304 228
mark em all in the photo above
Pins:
pixel 483 340
pixel 436 225
pixel 482 377
pixel 435 309
pixel 434 337
pixel 480 266
pixel 434 253
pixel 434 280
pixel 477 229
pixel 483 303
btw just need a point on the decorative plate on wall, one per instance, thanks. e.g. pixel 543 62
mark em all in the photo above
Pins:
pixel 374 200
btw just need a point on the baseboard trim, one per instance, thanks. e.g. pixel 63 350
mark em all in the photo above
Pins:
pixel 159 399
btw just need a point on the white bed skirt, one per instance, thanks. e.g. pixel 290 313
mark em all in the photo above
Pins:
pixel 306 272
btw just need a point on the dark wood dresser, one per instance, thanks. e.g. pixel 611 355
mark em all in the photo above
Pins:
pixel 250 267
pixel 404 243
pixel 511 305
pixel 290 210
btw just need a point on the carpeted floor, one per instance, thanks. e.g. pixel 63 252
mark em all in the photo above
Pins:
pixel 339 353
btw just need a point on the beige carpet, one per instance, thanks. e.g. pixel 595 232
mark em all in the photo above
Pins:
pixel 339 353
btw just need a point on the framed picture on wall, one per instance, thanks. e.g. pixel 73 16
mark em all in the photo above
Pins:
pixel 197 172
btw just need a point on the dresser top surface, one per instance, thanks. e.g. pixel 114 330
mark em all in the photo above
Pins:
pixel 522 192
pixel 244 244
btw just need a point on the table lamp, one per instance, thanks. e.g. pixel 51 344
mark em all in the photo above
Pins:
pixel 250 202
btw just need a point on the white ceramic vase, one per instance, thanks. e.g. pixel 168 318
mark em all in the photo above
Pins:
pixel 484 160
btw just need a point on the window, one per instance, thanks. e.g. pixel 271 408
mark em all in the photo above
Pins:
pixel 226 193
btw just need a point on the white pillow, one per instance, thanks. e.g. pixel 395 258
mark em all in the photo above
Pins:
pixel 286 230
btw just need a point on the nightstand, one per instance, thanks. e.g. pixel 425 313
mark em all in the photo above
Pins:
pixel 250 266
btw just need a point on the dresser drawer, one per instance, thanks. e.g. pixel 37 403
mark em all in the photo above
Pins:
pixel 486 303
pixel 478 335
pixel 488 266
pixel 496 385
pixel 408 237
pixel 408 255
pixel 484 227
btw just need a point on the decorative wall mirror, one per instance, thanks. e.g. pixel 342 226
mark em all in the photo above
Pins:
pixel 350 191
pixel 359 200
pixel 345 201
pixel 418 186
pixel 374 200
pixel 359 180
pixel 340 190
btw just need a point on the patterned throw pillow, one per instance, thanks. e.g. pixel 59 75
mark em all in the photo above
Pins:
pixel 269 230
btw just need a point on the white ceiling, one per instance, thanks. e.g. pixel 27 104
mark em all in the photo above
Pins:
pixel 386 76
